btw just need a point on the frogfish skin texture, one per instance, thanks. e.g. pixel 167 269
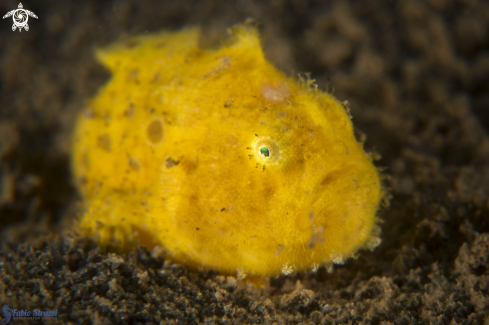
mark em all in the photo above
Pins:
pixel 221 160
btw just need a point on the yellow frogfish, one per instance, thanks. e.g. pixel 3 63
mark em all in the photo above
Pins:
pixel 220 160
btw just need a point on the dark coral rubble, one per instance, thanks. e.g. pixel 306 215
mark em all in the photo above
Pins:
pixel 86 285
pixel 416 77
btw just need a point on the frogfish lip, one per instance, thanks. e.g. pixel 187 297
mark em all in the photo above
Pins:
pixel 327 181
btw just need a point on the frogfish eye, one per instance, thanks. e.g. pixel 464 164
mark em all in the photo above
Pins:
pixel 265 152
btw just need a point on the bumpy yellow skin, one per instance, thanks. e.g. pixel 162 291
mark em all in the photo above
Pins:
pixel 222 160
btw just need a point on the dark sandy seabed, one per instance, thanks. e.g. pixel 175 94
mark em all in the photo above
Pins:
pixel 416 75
